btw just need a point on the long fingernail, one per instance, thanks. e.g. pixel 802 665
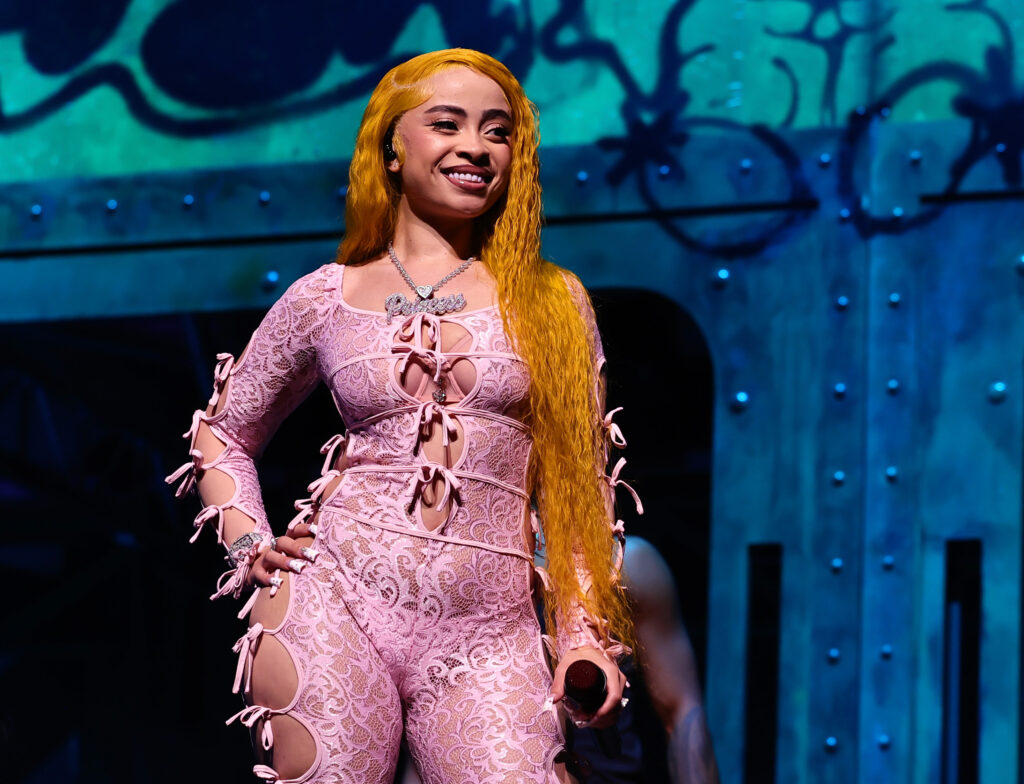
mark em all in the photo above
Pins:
pixel 313 529
pixel 309 553
pixel 273 590
pixel 296 565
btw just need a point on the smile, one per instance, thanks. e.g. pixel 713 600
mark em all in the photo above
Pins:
pixel 467 181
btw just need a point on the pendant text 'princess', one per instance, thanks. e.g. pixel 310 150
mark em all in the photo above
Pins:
pixel 399 305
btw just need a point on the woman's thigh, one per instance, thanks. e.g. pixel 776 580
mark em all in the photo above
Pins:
pixel 332 707
pixel 476 705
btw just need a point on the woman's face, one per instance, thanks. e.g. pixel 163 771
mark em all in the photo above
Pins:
pixel 457 146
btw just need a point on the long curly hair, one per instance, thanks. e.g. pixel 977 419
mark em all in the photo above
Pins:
pixel 550 327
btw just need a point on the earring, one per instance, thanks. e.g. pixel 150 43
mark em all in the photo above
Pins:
pixel 389 151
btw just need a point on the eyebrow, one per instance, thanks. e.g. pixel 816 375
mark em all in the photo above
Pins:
pixel 458 110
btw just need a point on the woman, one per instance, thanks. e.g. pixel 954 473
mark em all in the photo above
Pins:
pixel 401 595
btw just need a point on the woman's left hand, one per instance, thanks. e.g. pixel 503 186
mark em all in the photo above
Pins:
pixel 608 713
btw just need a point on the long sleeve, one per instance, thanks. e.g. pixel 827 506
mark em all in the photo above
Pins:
pixel 251 397
pixel 579 628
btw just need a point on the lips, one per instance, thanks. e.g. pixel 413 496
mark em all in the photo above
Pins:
pixel 466 173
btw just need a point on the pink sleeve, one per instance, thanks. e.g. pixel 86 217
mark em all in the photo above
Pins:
pixel 582 629
pixel 277 371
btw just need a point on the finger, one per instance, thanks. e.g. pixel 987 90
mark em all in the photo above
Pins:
pixel 286 545
pixel 259 575
pixel 300 530
pixel 284 562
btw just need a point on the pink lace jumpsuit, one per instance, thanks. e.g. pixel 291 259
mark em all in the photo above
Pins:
pixel 406 619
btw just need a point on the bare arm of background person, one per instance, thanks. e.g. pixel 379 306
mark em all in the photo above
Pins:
pixel 669 666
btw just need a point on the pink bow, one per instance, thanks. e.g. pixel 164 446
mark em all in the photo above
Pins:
pixel 250 715
pixel 329 449
pixel 427 474
pixel 613 430
pixel 208 513
pixel 412 330
pixel 265 772
pixel 614 481
pixel 428 411
pixel 220 375
pixel 189 470
pixel 245 648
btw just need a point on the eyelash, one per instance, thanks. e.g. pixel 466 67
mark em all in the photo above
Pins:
pixel 450 125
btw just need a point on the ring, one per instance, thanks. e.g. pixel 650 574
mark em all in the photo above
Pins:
pixel 273 544
pixel 624 702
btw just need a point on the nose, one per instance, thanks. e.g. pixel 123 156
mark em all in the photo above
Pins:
pixel 472 147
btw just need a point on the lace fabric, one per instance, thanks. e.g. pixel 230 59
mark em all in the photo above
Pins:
pixel 421 598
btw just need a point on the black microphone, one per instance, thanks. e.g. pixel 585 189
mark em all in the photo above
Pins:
pixel 586 689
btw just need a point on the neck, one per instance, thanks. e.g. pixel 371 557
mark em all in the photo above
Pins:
pixel 425 244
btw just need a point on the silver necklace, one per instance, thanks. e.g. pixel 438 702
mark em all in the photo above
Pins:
pixel 398 305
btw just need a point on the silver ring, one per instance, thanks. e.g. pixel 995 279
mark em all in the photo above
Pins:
pixel 273 544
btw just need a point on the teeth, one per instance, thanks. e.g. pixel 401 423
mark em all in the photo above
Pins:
pixel 465 177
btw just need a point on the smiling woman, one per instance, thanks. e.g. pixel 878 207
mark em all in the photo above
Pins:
pixel 402 596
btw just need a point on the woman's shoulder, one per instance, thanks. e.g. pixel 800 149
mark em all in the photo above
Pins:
pixel 317 285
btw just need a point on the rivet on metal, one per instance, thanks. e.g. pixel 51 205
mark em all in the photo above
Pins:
pixel 897 212
pixel 831 743
pixel 722 277
pixel 824 160
pixel 582 176
pixel 886 651
pixel 1020 264
pixel 894 299
pixel 189 200
pixel 915 157
pixel 1000 149
pixel 861 111
pixel 839 390
pixel 264 197
pixel 885 111
pixel 833 655
pixel 37 210
pixel 844 214
pixel 746 165
pixel 842 301
pixel 837 565
pixel 884 741
pixel 740 401
pixel 270 280
pixel 111 205
pixel 892 473
pixel 664 170
pixel 997 391
pixel 888 562
pixel 838 477
pixel 892 385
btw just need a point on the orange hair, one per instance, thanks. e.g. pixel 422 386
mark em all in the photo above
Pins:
pixel 541 316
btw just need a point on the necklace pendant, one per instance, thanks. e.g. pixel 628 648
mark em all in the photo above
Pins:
pixel 425 292
pixel 440 395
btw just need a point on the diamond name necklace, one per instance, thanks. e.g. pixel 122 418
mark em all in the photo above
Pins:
pixel 398 305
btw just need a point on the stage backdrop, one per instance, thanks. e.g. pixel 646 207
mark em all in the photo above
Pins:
pixel 803 223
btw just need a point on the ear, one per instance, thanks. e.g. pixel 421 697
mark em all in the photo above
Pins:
pixel 394 166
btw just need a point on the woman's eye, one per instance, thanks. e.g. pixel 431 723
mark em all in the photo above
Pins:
pixel 447 125
pixel 501 131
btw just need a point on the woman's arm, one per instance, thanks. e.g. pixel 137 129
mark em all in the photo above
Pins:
pixel 251 397
pixel 582 635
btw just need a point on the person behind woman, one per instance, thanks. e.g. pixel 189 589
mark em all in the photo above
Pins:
pixel 467 371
